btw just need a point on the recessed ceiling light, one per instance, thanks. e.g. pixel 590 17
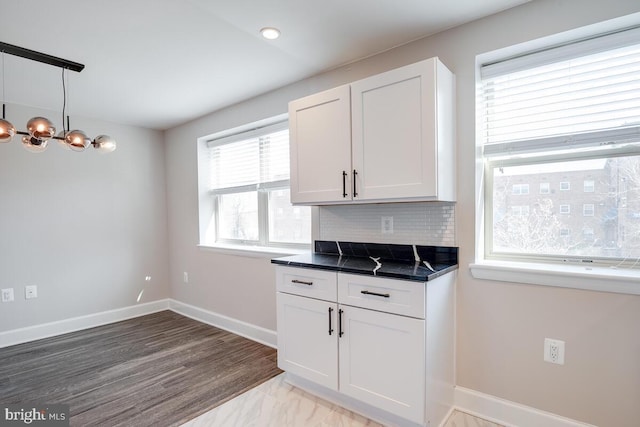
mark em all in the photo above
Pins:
pixel 270 33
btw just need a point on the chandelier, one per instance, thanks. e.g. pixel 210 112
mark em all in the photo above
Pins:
pixel 41 130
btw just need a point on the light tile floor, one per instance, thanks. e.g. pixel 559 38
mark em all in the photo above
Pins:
pixel 278 404
pixel 461 419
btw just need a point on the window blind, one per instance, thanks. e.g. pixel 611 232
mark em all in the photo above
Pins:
pixel 258 157
pixel 578 95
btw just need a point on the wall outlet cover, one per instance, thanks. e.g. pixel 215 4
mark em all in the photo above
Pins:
pixel 387 225
pixel 31 292
pixel 7 295
pixel 554 351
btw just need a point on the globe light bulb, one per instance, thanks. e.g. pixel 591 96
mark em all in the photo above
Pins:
pixel 77 140
pixel 34 145
pixel 41 128
pixel 104 143
pixel 7 130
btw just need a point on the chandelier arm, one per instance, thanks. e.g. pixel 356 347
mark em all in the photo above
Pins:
pixel 21 132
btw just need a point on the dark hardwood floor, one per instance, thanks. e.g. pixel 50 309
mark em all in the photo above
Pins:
pixel 157 370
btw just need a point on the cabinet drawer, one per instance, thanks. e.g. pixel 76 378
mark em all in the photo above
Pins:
pixel 389 295
pixel 307 282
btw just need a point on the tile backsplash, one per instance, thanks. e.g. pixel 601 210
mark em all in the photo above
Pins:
pixel 424 223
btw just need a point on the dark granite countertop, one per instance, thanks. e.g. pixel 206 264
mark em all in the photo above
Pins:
pixel 407 262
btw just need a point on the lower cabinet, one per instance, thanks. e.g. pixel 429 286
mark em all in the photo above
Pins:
pixel 382 361
pixel 373 356
pixel 307 338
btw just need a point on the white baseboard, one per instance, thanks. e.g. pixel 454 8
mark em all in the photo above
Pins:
pixel 238 327
pixel 46 330
pixel 507 413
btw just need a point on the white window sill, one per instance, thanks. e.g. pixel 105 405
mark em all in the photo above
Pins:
pixel 252 251
pixel 618 280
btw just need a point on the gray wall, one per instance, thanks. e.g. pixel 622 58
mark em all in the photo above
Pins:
pixel 86 228
pixel 501 326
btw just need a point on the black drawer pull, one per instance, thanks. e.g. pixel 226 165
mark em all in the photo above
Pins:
pixel 340 331
pixel 330 328
pixel 302 282
pixel 375 294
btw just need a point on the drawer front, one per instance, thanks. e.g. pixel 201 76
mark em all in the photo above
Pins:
pixel 307 282
pixel 389 295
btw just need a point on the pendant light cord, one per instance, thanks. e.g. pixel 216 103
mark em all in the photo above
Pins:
pixel 64 102
pixel 3 85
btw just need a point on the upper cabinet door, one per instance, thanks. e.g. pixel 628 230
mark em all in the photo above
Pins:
pixel 320 141
pixel 402 134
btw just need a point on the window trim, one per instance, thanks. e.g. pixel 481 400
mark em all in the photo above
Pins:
pixel 566 275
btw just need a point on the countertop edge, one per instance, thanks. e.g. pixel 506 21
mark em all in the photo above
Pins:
pixel 382 274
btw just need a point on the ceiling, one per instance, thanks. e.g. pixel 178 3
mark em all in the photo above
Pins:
pixel 160 63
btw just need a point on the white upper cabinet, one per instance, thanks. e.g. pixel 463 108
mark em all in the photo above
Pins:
pixel 320 135
pixel 402 134
pixel 400 144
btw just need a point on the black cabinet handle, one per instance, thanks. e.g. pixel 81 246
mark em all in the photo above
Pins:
pixel 375 293
pixel 340 331
pixel 355 174
pixel 330 328
pixel 302 282
pixel 344 184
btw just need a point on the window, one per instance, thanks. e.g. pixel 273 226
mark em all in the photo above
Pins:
pixel 588 233
pixel 564 114
pixel 248 187
pixel 589 186
pixel 520 189
pixel 588 209
pixel 520 210
pixel 545 188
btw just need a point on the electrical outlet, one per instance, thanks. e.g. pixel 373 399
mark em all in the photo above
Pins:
pixel 30 292
pixel 554 351
pixel 185 277
pixel 387 225
pixel 7 295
